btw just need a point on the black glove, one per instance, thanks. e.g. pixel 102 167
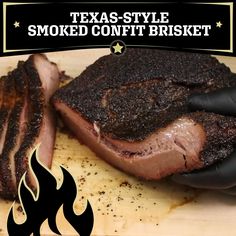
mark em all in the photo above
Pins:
pixel 222 175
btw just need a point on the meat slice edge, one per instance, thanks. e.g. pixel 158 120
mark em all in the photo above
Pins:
pixel 43 81
pixel 9 96
pixel 164 152
pixel 7 105
pixel 15 132
pixel 190 142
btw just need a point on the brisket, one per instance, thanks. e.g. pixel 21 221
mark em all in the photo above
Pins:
pixel 132 111
pixel 29 121
pixel 15 131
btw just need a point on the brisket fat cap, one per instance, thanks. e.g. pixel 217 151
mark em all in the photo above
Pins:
pixel 136 106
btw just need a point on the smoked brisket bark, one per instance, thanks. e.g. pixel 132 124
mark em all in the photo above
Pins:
pixel 43 81
pixel 15 131
pixel 8 102
pixel 28 120
pixel 132 111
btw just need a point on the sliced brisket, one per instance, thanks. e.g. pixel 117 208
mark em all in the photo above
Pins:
pixel 43 82
pixel 8 102
pixel 15 132
pixel 132 111
pixel 29 121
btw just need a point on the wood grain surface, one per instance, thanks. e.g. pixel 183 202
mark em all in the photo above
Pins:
pixel 124 205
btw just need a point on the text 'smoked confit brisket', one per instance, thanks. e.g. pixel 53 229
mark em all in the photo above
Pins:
pixel 132 111
pixel 27 120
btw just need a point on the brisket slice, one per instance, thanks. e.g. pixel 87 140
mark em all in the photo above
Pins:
pixel 43 82
pixel 8 102
pixel 9 96
pixel 30 121
pixel 132 111
pixel 15 131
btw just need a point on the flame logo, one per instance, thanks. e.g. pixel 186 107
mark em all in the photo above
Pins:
pixel 47 203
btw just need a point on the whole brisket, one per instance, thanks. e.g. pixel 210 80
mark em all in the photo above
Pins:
pixel 132 111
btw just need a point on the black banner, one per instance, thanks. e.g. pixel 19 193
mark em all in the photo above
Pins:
pixel 30 27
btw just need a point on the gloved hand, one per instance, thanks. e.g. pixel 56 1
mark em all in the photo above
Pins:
pixel 222 175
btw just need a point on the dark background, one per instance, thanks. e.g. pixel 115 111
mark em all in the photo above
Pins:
pixel 58 13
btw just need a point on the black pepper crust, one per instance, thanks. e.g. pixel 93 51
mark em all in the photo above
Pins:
pixel 13 131
pixel 220 135
pixel 131 96
pixel 9 97
pixel 8 91
pixel 35 119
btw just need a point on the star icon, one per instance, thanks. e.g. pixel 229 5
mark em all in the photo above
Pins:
pixel 16 24
pixel 219 24
pixel 117 48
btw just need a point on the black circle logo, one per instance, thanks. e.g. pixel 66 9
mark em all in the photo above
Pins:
pixel 118 47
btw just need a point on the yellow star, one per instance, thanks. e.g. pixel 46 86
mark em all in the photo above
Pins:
pixel 219 24
pixel 16 24
pixel 117 48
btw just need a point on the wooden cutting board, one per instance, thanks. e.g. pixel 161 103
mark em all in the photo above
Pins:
pixel 124 205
